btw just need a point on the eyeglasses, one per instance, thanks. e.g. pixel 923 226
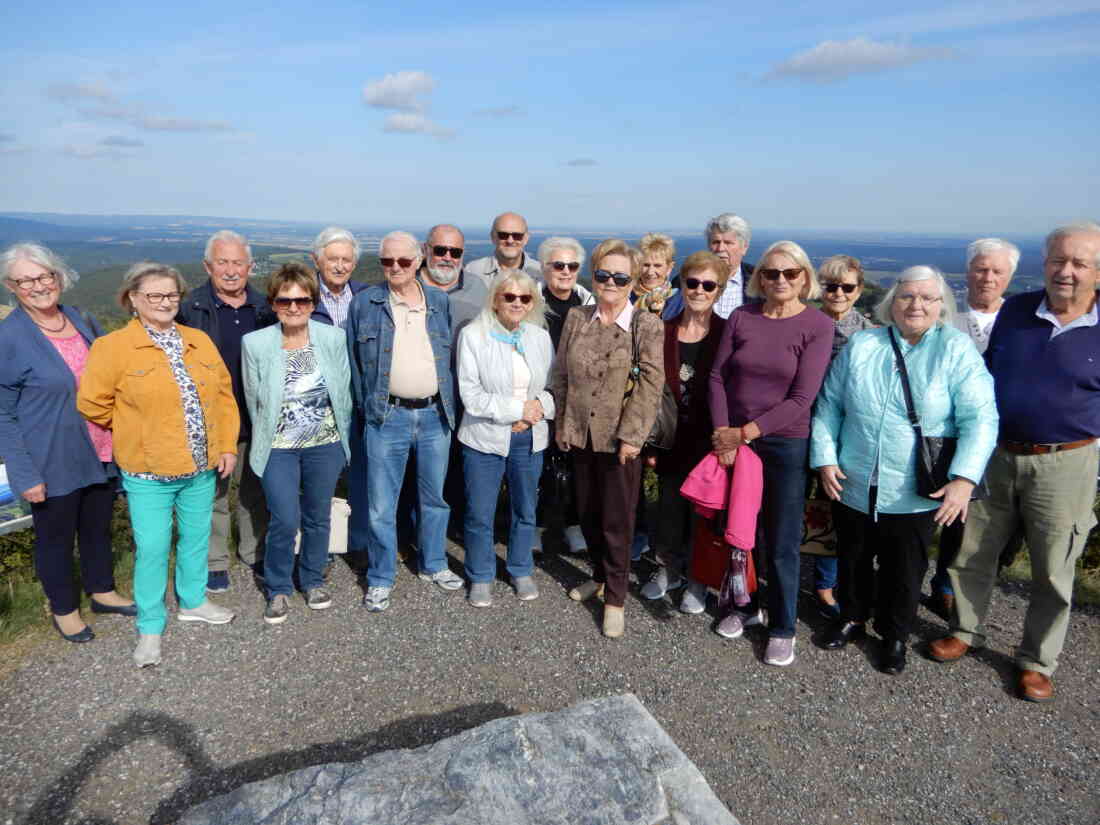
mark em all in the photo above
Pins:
pixel 773 274
pixel 285 303
pixel 27 284
pixel 441 251
pixel 511 298
pixel 848 288
pixel 602 276
pixel 161 297
pixel 404 263
pixel 515 236
pixel 561 266
pixel 695 283
pixel 918 299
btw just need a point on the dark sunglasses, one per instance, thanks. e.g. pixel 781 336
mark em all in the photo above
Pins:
pixel 285 303
pixel 602 276
pixel 773 274
pixel 695 283
pixel 561 266
pixel 848 288
pixel 404 263
pixel 515 236
pixel 441 251
pixel 511 298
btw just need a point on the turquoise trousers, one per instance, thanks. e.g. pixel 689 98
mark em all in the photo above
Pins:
pixel 152 504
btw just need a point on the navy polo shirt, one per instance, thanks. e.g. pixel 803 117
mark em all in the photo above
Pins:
pixel 233 324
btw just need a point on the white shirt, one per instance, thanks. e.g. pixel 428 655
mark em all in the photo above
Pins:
pixel 732 297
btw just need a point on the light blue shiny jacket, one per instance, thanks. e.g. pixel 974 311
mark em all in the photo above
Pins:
pixel 860 420
pixel 263 368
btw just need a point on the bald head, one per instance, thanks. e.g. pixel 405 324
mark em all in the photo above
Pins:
pixel 509 237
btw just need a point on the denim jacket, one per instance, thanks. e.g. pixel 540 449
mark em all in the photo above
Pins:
pixel 370 347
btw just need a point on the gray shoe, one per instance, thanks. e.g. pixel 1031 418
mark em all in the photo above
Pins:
pixel 206 612
pixel 147 652
pixel 481 594
pixel 444 579
pixel 694 600
pixel 780 652
pixel 661 583
pixel 526 589
pixel 377 598
pixel 318 599
pixel 735 623
pixel 574 539
pixel 277 608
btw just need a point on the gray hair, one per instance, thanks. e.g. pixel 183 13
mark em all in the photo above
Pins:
pixel 41 255
pixel 404 237
pixel 1076 228
pixel 993 246
pixel 225 236
pixel 140 272
pixel 556 242
pixel 729 222
pixel 884 308
pixel 334 234
pixel 520 278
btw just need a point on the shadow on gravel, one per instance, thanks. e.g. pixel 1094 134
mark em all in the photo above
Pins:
pixel 209 780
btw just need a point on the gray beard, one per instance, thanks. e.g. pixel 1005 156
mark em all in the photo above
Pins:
pixel 443 276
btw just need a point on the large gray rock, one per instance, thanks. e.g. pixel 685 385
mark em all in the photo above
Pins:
pixel 602 762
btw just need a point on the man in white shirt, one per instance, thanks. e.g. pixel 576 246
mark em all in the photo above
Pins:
pixel 728 236
pixel 990 265
pixel 336 254
pixel 509 236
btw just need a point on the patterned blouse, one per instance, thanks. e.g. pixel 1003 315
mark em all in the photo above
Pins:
pixel 849 324
pixel 170 342
pixel 307 419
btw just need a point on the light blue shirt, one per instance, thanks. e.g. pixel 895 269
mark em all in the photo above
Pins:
pixel 1089 319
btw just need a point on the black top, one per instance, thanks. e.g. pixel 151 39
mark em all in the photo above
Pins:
pixel 556 310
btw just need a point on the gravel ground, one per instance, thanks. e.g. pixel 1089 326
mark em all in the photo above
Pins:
pixel 89 739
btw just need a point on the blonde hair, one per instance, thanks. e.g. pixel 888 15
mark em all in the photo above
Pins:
pixel 810 290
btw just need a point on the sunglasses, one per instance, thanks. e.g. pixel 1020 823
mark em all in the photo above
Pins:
pixel 561 266
pixel 695 283
pixel 441 251
pixel 404 263
pixel 515 236
pixel 848 288
pixel 602 276
pixel 511 298
pixel 773 274
pixel 286 303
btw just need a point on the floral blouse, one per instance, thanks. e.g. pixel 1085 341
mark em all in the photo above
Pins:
pixel 306 419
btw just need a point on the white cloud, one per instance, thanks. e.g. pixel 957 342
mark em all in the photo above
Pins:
pixel 400 90
pixel 835 60
pixel 68 92
pixel 180 124
pixel 501 111
pixel 121 142
pixel 85 151
pixel 965 16
pixel 415 124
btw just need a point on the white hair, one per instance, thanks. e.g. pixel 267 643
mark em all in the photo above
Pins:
pixel 884 309
pixel 41 255
pixel 225 236
pixel 521 279
pixel 729 222
pixel 1076 228
pixel 550 245
pixel 993 246
pixel 334 234
pixel 404 237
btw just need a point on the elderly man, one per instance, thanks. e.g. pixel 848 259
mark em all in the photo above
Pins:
pixel 335 254
pixel 728 236
pixel 1043 354
pixel 399 335
pixel 509 237
pixel 443 269
pixel 226 308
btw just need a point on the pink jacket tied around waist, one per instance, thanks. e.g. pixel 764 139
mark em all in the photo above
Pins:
pixel 712 487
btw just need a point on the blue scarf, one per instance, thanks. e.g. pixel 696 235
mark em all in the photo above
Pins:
pixel 515 339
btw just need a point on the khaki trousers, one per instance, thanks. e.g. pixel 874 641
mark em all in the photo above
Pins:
pixel 251 516
pixel 1051 497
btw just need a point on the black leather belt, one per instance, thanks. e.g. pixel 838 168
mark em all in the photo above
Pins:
pixel 413 403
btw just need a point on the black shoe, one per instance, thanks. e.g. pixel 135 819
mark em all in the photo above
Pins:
pixel 841 633
pixel 893 660
pixel 120 610
pixel 83 635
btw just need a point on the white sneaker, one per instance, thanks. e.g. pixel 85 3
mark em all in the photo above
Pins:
pixel 694 600
pixel 206 612
pixel 444 579
pixel 661 583
pixel 735 623
pixel 147 652
pixel 575 539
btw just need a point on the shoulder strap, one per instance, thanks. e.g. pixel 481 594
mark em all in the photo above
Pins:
pixel 909 406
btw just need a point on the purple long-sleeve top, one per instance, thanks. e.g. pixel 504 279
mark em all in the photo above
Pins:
pixel 769 370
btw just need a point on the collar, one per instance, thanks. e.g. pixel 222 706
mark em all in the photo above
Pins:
pixel 1089 319
pixel 623 319
pixel 219 303
pixel 496 263
pixel 394 300
pixel 345 292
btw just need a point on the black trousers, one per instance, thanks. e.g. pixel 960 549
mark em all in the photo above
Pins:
pixel 900 544
pixel 83 515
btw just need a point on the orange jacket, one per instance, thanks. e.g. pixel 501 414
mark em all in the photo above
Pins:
pixel 128 387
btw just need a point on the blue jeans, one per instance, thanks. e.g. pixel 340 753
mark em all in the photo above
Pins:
pixel 425 433
pixel 483 473
pixel 298 485
pixel 824 572
pixel 358 533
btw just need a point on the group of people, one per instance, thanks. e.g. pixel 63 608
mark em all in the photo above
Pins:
pixel 982 422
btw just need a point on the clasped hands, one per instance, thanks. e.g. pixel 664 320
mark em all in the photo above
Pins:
pixel 726 440
pixel 532 414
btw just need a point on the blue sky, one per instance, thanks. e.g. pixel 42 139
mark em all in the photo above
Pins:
pixel 933 117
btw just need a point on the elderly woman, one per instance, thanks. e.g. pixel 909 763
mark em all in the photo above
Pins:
pixel 504 359
pixel 297 385
pixel 58 462
pixel 691 340
pixel 865 451
pixel 607 385
pixel 766 374
pixel 163 391
pixel 658 257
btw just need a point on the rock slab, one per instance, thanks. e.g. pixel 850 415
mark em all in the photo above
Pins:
pixel 601 762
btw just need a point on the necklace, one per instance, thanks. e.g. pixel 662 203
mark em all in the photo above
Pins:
pixel 64 321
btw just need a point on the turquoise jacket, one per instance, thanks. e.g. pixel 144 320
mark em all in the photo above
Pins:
pixel 263 364
pixel 860 421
